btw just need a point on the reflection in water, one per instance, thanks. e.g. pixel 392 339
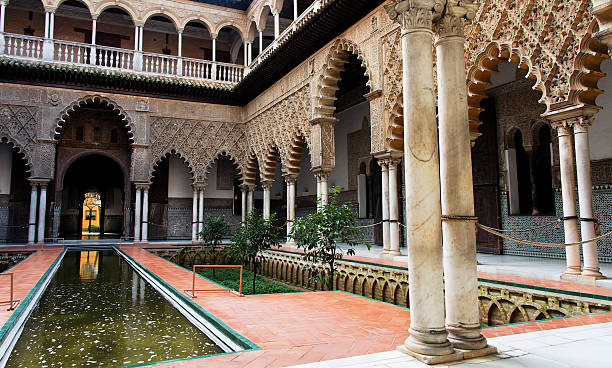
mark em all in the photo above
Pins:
pixel 112 319
pixel 88 269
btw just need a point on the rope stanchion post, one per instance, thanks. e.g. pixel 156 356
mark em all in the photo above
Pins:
pixel 192 292
pixel 12 303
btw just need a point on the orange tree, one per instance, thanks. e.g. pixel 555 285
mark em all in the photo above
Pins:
pixel 321 235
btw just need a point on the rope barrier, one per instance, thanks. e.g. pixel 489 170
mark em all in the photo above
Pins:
pixel 538 244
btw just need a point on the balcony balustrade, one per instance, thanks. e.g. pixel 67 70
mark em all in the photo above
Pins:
pixel 30 48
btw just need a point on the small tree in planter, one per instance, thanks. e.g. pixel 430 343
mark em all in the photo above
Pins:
pixel 255 236
pixel 213 231
pixel 321 233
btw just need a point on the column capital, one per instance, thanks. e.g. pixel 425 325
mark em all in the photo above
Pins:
pixel 267 184
pixel 39 182
pixel 576 122
pixel 142 185
pixel 290 178
pixel 415 14
pixel 456 15
pixel 321 173
pixel 50 9
pixel 198 186
pixel 247 187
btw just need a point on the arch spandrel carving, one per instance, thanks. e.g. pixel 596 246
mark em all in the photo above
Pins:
pixel 279 125
pixel 199 142
pixel 327 83
pixel 551 39
pixel 18 127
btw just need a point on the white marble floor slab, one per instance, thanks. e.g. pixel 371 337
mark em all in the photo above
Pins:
pixel 576 347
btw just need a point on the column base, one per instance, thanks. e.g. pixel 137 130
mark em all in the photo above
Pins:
pixel 466 338
pixel 592 273
pixel 291 244
pixel 394 253
pixel 456 355
pixel 571 272
pixel 432 342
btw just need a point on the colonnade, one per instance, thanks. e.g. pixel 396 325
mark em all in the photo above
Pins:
pixel 38 211
pixel 572 130
pixel 141 213
pixel 440 217
pixel 390 205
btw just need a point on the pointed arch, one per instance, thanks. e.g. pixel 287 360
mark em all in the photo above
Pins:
pixel 224 154
pixel 395 131
pixel 327 85
pixel 269 164
pixel 104 101
pixel 249 176
pixel 13 144
pixel 294 158
pixel 169 152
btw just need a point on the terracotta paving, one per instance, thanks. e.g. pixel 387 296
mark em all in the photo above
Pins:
pixel 290 328
pixel 296 328
pixel 25 275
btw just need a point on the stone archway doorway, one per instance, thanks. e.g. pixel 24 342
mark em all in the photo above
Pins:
pixel 101 175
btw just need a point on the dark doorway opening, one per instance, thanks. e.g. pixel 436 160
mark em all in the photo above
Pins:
pixel 99 174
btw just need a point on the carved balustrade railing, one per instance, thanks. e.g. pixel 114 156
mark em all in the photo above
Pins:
pixel 296 25
pixel 81 54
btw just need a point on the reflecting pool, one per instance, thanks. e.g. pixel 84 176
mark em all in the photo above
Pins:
pixel 98 312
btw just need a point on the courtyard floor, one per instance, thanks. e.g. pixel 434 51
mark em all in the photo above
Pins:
pixel 311 327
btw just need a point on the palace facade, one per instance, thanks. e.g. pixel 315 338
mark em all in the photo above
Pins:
pixel 173 109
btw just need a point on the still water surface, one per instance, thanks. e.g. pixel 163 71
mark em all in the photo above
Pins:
pixel 98 312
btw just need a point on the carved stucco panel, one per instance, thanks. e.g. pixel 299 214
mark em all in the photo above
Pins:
pixel 45 160
pixel 279 125
pixel 199 142
pixel 19 125
pixel 140 164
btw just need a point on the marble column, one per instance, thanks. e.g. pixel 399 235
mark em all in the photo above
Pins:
pixel 47 18
pixel 570 225
pixel 276 24
pixel 585 198
pixel 33 205
pixel 52 24
pixel 42 211
pixel 243 203
pixel 250 199
pixel 260 39
pixel 137 212
pixel 385 203
pixel 267 191
pixel 322 190
pixel 295 10
pixel 145 214
pixel 394 233
pixel 194 215
pixel 136 34
pixel 290 180
pixel 428 335
pixel 457 188
pixel 201 211
pixel 2 16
